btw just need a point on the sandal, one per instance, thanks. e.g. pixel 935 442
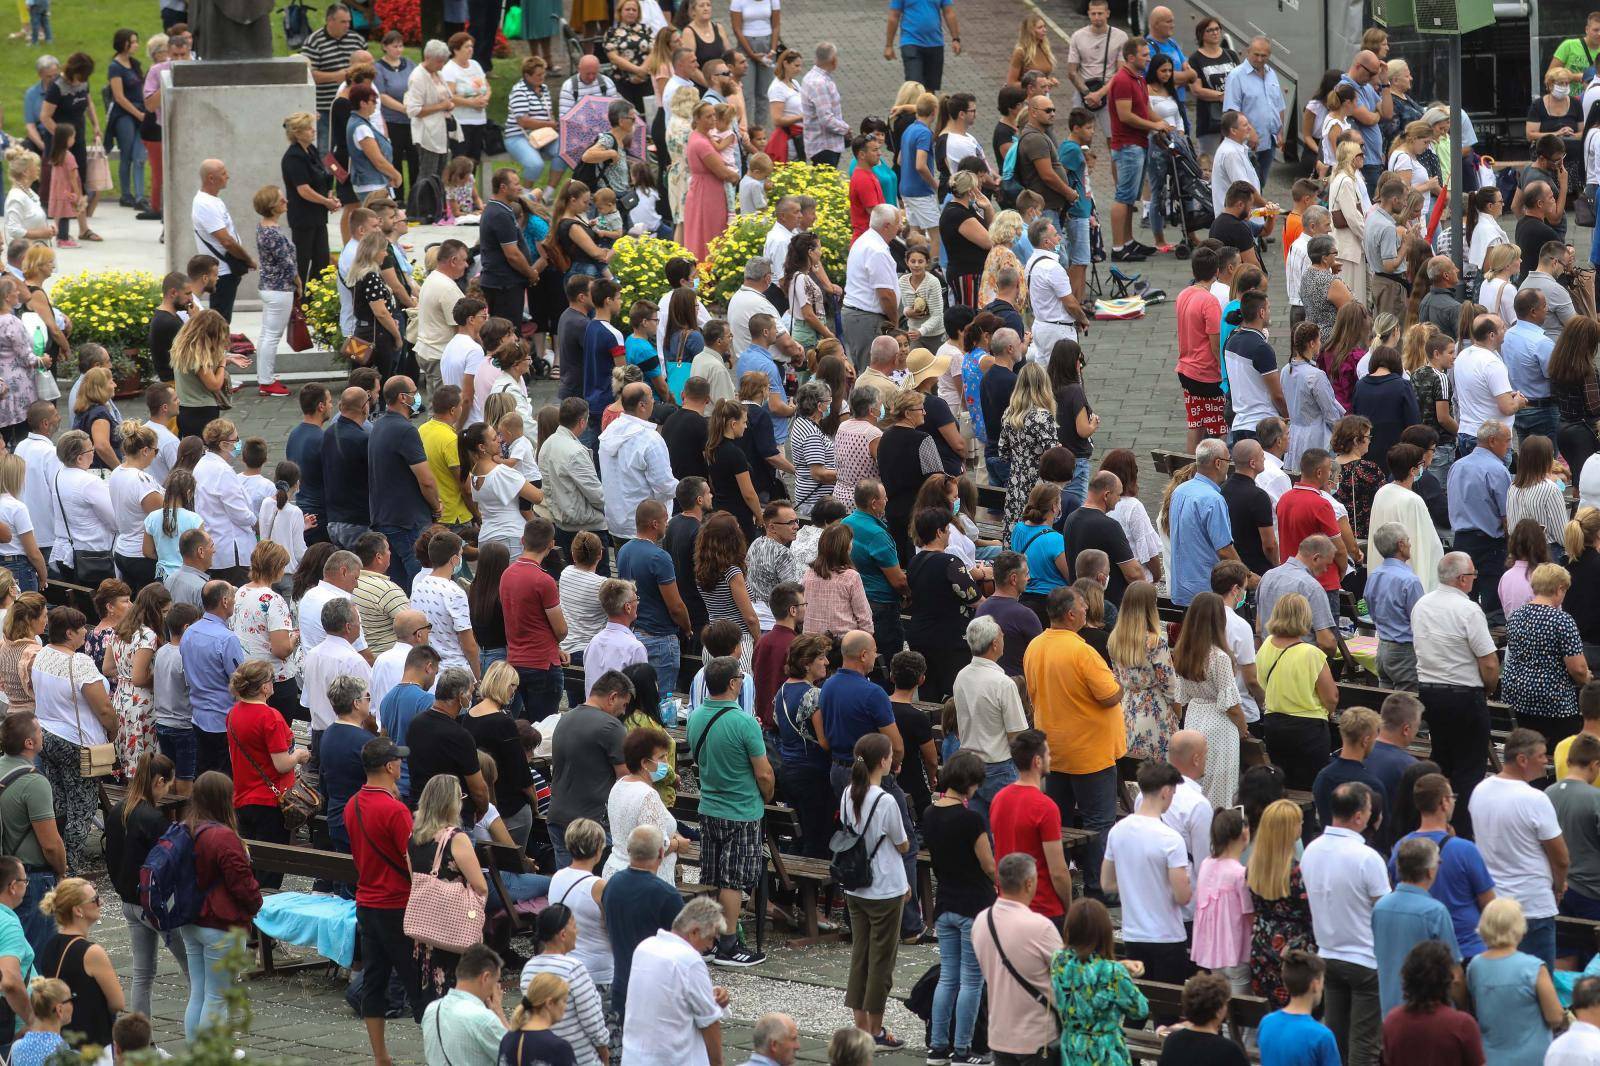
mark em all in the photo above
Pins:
pixel 90 235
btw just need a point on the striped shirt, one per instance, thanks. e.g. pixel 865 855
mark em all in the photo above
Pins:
pixel 719 601
pixel 583 1026
pixel 808 447
pixel 377 601
pixel 527 102
pixel 328 53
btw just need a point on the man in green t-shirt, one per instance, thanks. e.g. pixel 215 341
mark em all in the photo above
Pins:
pixel 736 780
pixel 28 821
pixel 1578 54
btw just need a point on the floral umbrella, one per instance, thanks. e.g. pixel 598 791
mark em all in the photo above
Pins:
pixel 585 122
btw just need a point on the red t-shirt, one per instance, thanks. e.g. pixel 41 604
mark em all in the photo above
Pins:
pixel 256 730
pixel 1023 819
pixel 1303 512
pixel 1199 319
pixel 769 661
pixel 526 593
pixel 380 830
pixel 1128 86
pixel 1442 1036
pixel 866 192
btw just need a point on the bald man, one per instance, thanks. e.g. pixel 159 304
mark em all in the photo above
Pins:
pixel 344 469
pixel 410 629
pixel 1250 513
pixel 214 234
pixel 1190 812
pixel 1369 77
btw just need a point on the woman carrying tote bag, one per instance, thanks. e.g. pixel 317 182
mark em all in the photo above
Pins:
pixel 442 852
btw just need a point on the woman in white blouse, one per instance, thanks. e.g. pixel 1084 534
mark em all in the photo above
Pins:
pixel 134 494
pixel 21 554
pixel 470 89
pixel 634 801
pixel 783 105
pixel 496 487
pixel 223 505
pixel 579 587
pixel 73 704
pixel 1498 293
pixel 1130 513
pixel 25 215
pixel 1340 104
pixel 1484 209
pixel 1407 160
pixel 87 521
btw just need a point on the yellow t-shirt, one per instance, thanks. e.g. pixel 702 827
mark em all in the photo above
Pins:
pixel 1067 679
pixel 1289 676
pixel 1562 748
pixel 444 456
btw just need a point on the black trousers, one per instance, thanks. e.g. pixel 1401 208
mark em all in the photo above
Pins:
pixel 192 420
pixel 386 951
pixel 1168 963
pixel 1553 729
pixel 1458 723
pixel 405 157
pixel 310 249
pixel 211 753
pixel 226 291
pixel 507 303
pixel 1297 746
pixel 1489 556
pixel 136 572
pixel 483 19
pixel 809 792
pixel 260 822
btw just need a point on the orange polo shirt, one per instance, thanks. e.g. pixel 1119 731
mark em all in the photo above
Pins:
pixel 1067 679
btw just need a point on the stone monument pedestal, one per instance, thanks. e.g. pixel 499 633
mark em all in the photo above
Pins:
pixel 232 110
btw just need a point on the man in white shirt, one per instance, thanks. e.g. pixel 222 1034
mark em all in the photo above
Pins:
pixel 214 233
pixel 1315 221
pixel 1520 837
pixel 463 355
pixel 1580 1044
pixel 162 403
pixel 684 68
pixel 786 223
pixel 988 709
pixel 1344 880
pixel 436 304
pixel 1190 812
pixel 1147 864
pixel 362 222
pixel 1228 580
pixel 1057 315
pixel 1483 388
pixel 749 300
pixel 673 1015
pixel 1273 436
pixel 634 465
pixel 871 286
pixel 1456 669
pixel 410 630
pixel 335 656
pixel 339 577
pixel 1233 161
pixel 38 453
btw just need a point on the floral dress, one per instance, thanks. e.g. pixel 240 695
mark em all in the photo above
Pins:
pixel 134 704
pixel 1536 682
pixel 96 643
pixel 1359 482
pixel 678 131
pixel 1281 925
pixel 258 612
pixel 1021 446
pixel 1092 998
pixel 1148 712
pixel 16 371
pixel 1206 703
pixel 971 382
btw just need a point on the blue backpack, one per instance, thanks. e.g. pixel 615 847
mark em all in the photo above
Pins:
pixel 169 889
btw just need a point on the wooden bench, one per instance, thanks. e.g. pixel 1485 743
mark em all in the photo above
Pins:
pixel 1244 1012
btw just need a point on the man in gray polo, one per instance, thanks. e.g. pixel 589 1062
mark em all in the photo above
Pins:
pixel 1386 250
pixel 1299 574
pixel 1555 259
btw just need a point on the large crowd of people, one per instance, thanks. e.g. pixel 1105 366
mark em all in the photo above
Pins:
pixel 840 547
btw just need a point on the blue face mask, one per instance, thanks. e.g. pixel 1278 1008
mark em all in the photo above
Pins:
pixel 416 404
pixel 238 448
pixel 955 506
pixel 660 773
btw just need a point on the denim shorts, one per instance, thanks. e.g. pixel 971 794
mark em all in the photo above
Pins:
pixel 179 746
pixel 1130 172
pixel 1078 242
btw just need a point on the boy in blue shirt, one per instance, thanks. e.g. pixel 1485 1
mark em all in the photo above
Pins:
pixel 640 348
pixel 1075 247
pixel 1291 1036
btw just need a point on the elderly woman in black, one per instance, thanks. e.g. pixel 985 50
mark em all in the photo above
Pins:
pixel 308 186
pixel 68 102
pixel 942 597
pixel 907 455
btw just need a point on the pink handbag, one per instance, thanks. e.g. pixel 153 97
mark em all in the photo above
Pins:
pixel 442 914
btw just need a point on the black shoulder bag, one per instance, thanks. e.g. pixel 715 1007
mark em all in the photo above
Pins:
pixel 700 744
pixel 1039 997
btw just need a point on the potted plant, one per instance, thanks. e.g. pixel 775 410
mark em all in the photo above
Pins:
pixel 112 309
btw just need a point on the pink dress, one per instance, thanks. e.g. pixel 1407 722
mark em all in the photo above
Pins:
pixel 1223 915
pixel 705 208
pixel 64 189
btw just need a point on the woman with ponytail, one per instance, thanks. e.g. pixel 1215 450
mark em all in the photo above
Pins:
pixel 580 1021
pixel 1484 208
pixel 1582 539
pixel 74 905
pixel 131 831
pixel 532 1040
pixel 283 522
pixel 870 812
pixel 165 527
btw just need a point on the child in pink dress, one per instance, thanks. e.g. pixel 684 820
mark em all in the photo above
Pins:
pixel 1223 913
pixel 66 187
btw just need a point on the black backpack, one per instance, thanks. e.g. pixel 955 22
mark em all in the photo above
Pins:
pixel 296 25
pixel 852 861
pixel 426 205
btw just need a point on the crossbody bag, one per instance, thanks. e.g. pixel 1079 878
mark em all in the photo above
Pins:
pixel 87 567
pixel 298 803
pixel 1028 986
pixel 700 744
pixel 94 760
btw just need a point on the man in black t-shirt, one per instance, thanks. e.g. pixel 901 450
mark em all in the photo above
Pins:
pixel 570 328
pixel 690 504
pixel 441 745
pixel 1250 509
pixel 685 431
pixel 1230 226
pixel 165 323
pixel 402 496
pixel 503 251
pixel 1091 526
pixel 1534 230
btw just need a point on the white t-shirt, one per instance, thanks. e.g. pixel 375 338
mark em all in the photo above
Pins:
pixel 757 15
pixel 468 81
pixel 1242 646
pixel 1480 377
pixel 1190 814
pixel 129 486
pixel 1500 297
pixel 1510 821
pixel 1143 850
pixel 1403 161
pixel 1330 131
pixel 958 146
pixel 496 494
pixel 364 132
pixel 882 823
pixel 15 514
pixel 1344 878
pixel 785 94
pixel 445 604
pixel 210 214
pixel 1231 162
pixel 1485 235
pixel 460 357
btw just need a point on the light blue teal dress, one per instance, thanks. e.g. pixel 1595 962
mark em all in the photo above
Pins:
pixel 1093 999
pixel 1506 1003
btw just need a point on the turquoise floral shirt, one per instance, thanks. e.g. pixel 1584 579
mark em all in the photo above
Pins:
pixel 1092 998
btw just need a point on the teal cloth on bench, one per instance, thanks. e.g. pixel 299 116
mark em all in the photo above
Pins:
pixel 326 923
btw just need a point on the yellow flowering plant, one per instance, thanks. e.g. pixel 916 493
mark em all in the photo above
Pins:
pixel 321 306
pixel 722 272
pixel 113 309
pixel 639 265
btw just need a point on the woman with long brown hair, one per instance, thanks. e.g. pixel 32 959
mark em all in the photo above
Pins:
pixel 719 553
pixel 1535 492
pixel 231 900
pixel 1576 388
pixel 1208 690
pixel 1094 993
pixel 1142 662
pixel 874 907
pixel 732 484
pixel 1130 512
pixel 199 358
pixel 836 601
pixel 1352 329
pixel 574 234
pixel 130 662
pixel 131 831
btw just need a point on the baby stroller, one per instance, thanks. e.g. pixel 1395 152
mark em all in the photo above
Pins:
pixel 1185 199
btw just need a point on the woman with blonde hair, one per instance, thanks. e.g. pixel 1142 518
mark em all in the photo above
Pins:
pixel 1032 52
pixel 25 215
pixel 199 353
pixel 531 1041
pixel 1142 662
pixel 784 109
pixel 85 967
pixel 1348 202
pixel 309 185
pixel 1498 292
pixel 95 414
pixel 1512 992
pixel 1414 346
pixel 21 555
pixel 134 494
pixel 439 842
pixel 1278 892
pixel 24 624
pixel 907 457
pixel 1300 690
pixel 279 284
pixel 1003 233
pixel 1029 429
pixel 51 1002
pixel 374 303
pixel 494 732
pixel 222 503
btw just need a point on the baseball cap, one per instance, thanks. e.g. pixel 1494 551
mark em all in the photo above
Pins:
pixel 379 752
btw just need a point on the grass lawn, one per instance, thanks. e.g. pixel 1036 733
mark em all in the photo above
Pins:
pixel 88 25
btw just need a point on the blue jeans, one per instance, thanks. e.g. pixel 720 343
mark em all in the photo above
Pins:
pixel 1263 163
pixel 1465 443
pixel 923 63
pixel 208 979
pixel 37 926
pixel 539 692
pixel 1157 164
pixel 1540 421
pixel 1130 173
pixel 21 569
pixel 999 470
pixel 996 775
pixel 179 746
pixel 535 161
pixel 147 941
pixel 1078 487
pixel 1575 904
pixel 886 626
pixel 960 983
pixel 519 887
pixel 1444 453
pixel 665 656
pixel 403 562
pixel 130 162
pixel 558 845
pixel 1093 798
pixel 1540 941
